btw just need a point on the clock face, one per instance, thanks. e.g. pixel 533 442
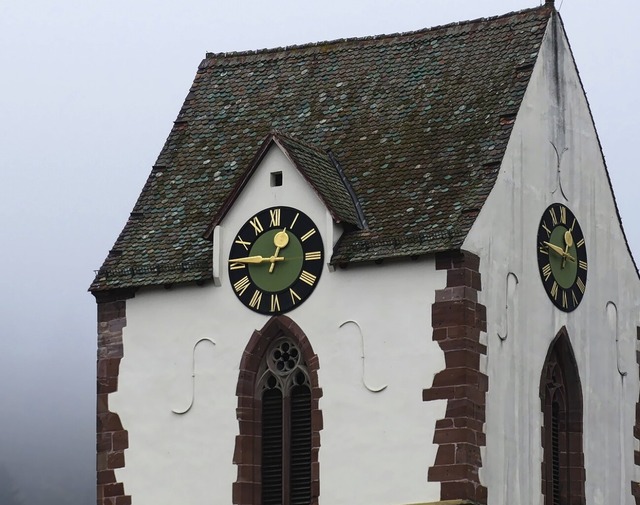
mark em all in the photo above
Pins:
pixel 276 260
pixel 562 257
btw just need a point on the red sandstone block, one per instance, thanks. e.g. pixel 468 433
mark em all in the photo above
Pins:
pixel 316 420
pixel 106 477
pixel 101 461
pixel 448 473
pixel 102 404
pixel 109 367
pixel 470 392
pixel 461 490
pixel 116 489
pixel 103 442
pixel 446 455
pixel 120 440
pixel 106 386
pixel 443 261
pixel 481 495
pixel 452 313
pixel 467 260
pixel 123 500
pixel 115 460
pixel 444 423
pixel 462 358
pixel 459 376
pixel 454 435
pixel 109 422
pixel 468 454
pixel 438 393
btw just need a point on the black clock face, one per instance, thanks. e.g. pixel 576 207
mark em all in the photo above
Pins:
pixel 562 257
pixel 276 260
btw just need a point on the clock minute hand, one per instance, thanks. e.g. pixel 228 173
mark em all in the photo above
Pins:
pixel 559 250
pixel 257 259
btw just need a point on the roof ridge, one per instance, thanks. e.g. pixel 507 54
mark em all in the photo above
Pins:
pixel 281 134
pixel 372 38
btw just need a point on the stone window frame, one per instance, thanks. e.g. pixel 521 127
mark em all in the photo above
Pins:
pixel 560 386
pixel 247 490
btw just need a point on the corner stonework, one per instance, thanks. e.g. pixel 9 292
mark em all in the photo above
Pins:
pixel 458 320
pixel 111 438
pixel 635 486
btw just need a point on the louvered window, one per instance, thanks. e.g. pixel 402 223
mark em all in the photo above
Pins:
pixel 286 427
pixel 555 453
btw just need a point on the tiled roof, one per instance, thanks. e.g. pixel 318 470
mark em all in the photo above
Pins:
pixel 419 123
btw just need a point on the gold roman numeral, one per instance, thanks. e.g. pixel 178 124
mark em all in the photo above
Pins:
pixel 575 300
pixel 554 290
pixel 293 223
pixel 580 243
pixel 294 296
pixel 243 243
pixel 308 278
pixel 572 225
pixel 544 250
pixel 256 299
pixel 275 303
pixel 310 256
pixel 242 285
pixel 237 266
pixel 564 299
pixel 554 218
pixel 546 271
pixel 563 214
pixel 307 235
pixel 275 217
pixel 544 225
pixel 582 264
pixel 580 285
pixel 257 225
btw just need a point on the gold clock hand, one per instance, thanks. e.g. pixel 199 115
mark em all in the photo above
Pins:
pixel 257 259
pixel 560 251
pixel 568 242
pixel 280 240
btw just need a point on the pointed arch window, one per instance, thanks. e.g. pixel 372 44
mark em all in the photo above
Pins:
pixel 277 449
pixel 563 474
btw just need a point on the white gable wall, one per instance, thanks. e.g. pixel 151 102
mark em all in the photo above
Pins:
pixel 504 236
pixel 376 448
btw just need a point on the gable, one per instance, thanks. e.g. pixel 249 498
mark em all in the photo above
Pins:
pixel 418 121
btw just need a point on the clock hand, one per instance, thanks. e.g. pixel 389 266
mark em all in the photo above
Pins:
pixel 568 242
pixel 257 259
pixel 280 240
pixel 559 250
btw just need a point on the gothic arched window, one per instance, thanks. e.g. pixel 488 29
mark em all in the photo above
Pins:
pixel 278 394
pixel 563 474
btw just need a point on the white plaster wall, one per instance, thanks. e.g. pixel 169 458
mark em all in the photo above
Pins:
pixel 376 448
pixel 504 236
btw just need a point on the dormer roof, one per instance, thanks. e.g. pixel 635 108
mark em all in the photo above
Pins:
pixel 418 122
pixel 319 168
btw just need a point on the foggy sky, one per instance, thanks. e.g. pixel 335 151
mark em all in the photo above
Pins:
pixel 88 94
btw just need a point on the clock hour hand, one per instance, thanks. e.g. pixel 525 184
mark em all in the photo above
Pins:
pixel 559 250
pixel 280 240
pixel 568 242
pixel 257 259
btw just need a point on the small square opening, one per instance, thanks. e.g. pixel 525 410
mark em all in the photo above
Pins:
pixel 276 179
